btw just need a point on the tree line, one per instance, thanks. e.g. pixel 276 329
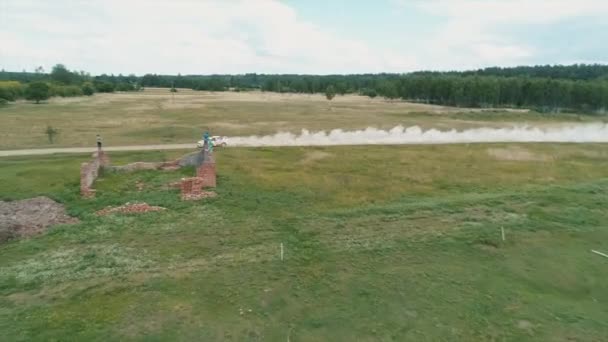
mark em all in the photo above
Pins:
pixel 546 88
pixel 38 85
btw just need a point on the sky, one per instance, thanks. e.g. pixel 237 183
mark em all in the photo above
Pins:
pixel 298 36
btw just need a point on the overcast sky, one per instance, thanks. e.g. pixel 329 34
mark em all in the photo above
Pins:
pixel 299 36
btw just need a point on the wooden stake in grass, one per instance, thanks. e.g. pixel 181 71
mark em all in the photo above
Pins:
pixel 600 253
pixel 502 231
pixel 281 251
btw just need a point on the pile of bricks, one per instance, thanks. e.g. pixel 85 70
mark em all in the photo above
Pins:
pixel 192 189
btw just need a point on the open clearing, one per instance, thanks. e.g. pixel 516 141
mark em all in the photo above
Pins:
pixel 389 243
pixel 381 243
pixel 154 116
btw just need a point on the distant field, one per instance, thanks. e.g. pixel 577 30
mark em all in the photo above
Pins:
pixel 398 243
pixel 156 116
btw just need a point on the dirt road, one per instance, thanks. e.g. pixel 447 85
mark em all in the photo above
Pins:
pixel 29 152
pixel 596 132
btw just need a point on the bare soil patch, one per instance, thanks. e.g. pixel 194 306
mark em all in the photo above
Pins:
pixel 315 156
pixel 518 154
pixel 129 208
pixel 30 217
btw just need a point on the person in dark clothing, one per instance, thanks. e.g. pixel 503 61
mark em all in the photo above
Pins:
pixel 98 142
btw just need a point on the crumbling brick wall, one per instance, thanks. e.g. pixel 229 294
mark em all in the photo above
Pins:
pixel 206 171
pixel 89 172
pixel 193 188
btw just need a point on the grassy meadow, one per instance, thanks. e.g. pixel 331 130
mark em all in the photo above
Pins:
pixel 399 243
pixel 156 116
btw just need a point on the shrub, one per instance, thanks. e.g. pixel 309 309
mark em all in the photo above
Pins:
pixel 10 90
pixel 369 92
pixel 66 91
pixel 37 91
pixel 124 86
pixel 88 89
pixel 104 87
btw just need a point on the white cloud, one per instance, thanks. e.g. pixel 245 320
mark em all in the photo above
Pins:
pixel 237 36
pixel 514 11
pixel 474 31
pixel 181 36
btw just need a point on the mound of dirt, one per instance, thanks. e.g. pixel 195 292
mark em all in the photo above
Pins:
pixel 30 216
pixel 129 208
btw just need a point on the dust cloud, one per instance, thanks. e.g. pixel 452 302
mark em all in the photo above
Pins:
pixel 576 133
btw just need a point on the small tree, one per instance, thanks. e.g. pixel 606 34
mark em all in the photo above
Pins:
pixel 88 89
pixel 37 91
pixel 51 132
pixel 61 74
pixel 330 92
pixel 369 92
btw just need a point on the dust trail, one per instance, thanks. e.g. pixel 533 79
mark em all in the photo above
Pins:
pixel 578 133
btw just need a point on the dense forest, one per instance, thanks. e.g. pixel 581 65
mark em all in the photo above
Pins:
pixel 545 88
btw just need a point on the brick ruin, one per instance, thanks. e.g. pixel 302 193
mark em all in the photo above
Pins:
pixel 191 188
pixel 89 172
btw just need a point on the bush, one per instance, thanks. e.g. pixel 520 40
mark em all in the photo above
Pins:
pixel 369 92
pixel 88 89
pixel 10 90
pixel 37 91
pixel 330 92
pixel 66 91
pixel 104 87
pixel 125 87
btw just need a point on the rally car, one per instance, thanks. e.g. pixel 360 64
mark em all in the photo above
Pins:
pixel 218 141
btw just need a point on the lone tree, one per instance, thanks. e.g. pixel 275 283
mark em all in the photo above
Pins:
pixel 37 91
pixel 51 132
pixel 88 89
pixel 330 92
pixel 61 74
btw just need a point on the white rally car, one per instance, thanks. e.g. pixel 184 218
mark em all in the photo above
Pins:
pixel 218 141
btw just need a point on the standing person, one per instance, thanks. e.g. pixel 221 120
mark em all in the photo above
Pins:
pixel 98 137
pixel 211 145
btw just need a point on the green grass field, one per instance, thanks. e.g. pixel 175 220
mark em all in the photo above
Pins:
pixel 155 117
pixel 381 244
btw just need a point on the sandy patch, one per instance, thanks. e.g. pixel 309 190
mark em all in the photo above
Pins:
pixel 525 325
pixel 518 154
pixel 313 156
